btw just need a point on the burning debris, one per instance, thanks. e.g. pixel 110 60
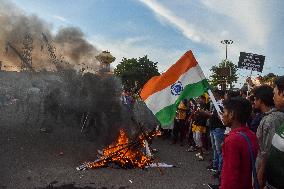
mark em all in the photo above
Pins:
pixel 125 153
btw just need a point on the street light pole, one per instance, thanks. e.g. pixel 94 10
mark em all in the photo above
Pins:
pixel 226 42
pixel 226 51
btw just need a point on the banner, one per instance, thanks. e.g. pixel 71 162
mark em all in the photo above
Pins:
pixel 250 61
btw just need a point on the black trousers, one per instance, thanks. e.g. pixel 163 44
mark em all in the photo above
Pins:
pixel 179 130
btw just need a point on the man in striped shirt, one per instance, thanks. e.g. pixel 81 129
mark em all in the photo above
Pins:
pixel 275 163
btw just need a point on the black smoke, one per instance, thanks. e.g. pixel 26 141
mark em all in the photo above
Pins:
pixel 69 43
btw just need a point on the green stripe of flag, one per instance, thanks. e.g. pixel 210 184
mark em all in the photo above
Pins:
pixel 167 114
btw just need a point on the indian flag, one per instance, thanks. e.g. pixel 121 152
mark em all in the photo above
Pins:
pixel 162 94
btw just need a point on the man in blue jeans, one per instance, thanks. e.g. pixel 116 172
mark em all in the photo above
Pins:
pixel 217 138
pixel 217 130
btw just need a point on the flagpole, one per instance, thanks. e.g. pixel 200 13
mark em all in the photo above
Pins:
pixel 212 98
pixel 215 104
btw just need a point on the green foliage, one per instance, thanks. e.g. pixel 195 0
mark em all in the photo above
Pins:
pixel 134 72
pixel 269 78
pixel 216 79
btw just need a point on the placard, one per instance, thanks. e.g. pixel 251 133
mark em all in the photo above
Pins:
pixel 251 61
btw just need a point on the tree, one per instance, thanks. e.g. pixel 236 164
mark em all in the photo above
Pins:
pixel 134 72
pixel 217 79
pixel 269 78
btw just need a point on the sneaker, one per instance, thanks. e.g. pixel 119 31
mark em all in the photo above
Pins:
pixel 213 186
pixel 211 168
pixel 200 158
pixel 198 154
pixel 154 150
pixel 214 170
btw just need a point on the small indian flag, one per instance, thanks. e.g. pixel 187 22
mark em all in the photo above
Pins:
pixel 162 94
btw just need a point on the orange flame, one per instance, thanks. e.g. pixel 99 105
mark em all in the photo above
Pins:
pixel 123 153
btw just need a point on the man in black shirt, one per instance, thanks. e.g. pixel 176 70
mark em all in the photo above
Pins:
pixel 217 130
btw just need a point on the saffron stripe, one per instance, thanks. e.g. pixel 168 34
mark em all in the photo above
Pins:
pixel 161 99
pixel 159 83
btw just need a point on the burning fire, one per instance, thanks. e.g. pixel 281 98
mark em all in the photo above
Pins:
pixel 124 153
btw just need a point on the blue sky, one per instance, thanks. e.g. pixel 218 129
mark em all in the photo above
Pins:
pixel 165 29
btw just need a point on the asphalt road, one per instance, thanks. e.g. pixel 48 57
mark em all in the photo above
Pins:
pixel 30 159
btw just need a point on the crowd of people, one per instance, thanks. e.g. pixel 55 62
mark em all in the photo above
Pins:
pixel 246 136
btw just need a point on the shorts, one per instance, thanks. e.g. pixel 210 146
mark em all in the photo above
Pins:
pixel 197 128
pixel 197 138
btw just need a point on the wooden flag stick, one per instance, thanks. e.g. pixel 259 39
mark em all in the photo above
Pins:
pixel 215 104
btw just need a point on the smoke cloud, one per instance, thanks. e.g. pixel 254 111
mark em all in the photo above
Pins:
pixel 69 43
pixel 88 102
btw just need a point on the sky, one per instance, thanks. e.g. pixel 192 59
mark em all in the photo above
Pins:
pixel 165 29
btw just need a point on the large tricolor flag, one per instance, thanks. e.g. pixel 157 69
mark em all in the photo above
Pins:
pixel 162 94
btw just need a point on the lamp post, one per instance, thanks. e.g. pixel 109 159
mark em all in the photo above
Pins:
pixel 226 42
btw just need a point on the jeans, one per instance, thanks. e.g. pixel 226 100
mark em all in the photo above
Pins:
pixel 217 138
pixel 197 138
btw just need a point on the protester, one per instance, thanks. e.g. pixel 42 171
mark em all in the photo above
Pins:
pixel 179 122
pixel 123 97
pixel 237 163
pixel 231 94
pixel 185 127
pixel 256 115
pixel 199 126
pixel 192 109
pixel 234 161
pixel 271 120
pixel 275 163
pixel 243 93
pixel 217 130
pixel 263 103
